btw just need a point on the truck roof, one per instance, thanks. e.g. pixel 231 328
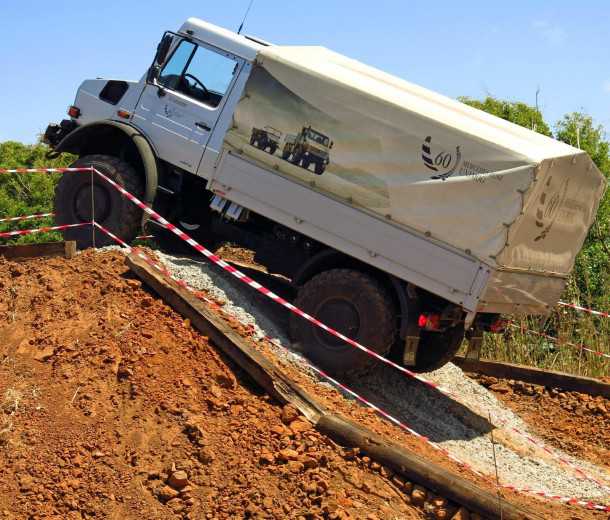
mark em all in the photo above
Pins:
pixel 315 72
pixel 243 46
pixel 321 76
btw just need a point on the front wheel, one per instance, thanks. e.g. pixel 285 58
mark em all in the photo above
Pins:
pixel 73 201
pixel 354 304
pixel 319 168
pixel 436 349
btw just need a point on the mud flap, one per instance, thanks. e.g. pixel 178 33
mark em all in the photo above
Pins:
pixel 475 342
pixel 409 354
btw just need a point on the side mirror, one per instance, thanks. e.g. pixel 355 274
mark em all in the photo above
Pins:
pixel 332 143
pixel 163 48
pixel 160 55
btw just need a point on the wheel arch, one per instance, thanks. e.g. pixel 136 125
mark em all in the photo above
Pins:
pixel 332 259
pixel 117 139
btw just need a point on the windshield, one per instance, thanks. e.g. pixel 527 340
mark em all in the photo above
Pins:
pixel 198 72
pixel 317 137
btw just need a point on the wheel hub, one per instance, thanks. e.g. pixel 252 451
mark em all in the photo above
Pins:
pixel 340 315
pixel 101 203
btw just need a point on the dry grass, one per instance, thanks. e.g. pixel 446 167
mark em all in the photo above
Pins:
pixel 517 345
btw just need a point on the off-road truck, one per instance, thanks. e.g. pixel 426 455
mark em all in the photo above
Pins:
pixel 308 147
pixel 433 219
pixel 267 138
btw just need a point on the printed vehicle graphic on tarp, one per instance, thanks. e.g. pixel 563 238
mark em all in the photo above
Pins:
pixel 266 138
pixel 308 147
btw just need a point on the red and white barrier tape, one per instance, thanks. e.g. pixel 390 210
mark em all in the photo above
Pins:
pixel 118 240
pixel 45 170
pixel 561 459
pixel 6 234
pixel 584 309
pixel 27 217
pixel 560 342
pixel 247 280
pixel 163 270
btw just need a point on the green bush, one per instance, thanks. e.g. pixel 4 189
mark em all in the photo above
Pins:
pixel 25 194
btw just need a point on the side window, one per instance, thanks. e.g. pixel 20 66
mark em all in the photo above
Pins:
pixel 172 71
pixel 198 72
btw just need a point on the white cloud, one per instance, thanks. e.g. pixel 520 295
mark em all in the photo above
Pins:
pixel 606 86
pixel 551 33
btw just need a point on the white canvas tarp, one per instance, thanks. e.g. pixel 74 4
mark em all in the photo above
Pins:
pixel 509 196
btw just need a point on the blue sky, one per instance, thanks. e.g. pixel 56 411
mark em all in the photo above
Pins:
pixel 471 48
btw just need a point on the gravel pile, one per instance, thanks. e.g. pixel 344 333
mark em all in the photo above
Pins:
pixel 461 427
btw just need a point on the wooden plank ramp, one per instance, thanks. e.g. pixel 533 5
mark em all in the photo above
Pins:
pixel 67 249
pixel 341 430
pixel 536 376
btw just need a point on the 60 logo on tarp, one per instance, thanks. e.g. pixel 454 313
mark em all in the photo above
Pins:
pixel 440 160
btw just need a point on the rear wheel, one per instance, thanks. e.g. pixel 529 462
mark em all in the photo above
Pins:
pixel 437 348
pixel 111 209
pixel 306 163
pixel 352 303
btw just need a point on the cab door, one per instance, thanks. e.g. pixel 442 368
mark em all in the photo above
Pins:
pixel 179 108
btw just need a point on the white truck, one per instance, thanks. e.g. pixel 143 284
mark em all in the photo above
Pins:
pixel 429 220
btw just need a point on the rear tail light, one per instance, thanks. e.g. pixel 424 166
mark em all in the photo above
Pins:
pixel 74 112
pixel 498 325
pixel 429 321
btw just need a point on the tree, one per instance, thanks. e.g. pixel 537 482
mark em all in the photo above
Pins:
pixel 514 111
pixel 578 129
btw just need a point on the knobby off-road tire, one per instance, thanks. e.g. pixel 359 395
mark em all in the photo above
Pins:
pixel 437 348
pixel 112 210
pixel 352 303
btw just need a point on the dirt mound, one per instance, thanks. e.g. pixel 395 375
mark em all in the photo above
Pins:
pixel 112 406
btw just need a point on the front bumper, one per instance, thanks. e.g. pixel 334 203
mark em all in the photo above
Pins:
pixel 54 133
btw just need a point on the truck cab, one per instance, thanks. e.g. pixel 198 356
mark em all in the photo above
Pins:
pixel 184 102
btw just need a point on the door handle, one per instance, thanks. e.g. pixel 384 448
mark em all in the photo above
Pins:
pixel 203 126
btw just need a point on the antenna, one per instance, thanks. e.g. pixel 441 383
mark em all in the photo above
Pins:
pixel 537 109
pixel 241 26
